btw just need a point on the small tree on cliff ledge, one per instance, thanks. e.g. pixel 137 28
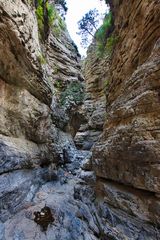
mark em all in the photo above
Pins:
pixel 88 26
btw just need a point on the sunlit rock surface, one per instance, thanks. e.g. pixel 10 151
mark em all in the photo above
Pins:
pixel 127 155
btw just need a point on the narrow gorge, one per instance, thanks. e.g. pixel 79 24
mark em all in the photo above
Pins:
pixel 79 140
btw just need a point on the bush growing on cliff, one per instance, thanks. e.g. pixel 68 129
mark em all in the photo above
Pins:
pixel 39 14
pixel 52 18
pixel 41 59
pixel 111 42
pixel 58 84
pixel 51 13
pixel 107 23
pixel 105 40
pixel 43 18
pixel 73 95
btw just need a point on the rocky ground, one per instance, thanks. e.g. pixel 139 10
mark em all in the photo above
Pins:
pixel 60 190
pixel 64 190
pixel 69 192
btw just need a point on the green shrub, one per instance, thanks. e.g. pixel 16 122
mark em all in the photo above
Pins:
pixel 41 59
pixel 58 84
pixel 106 83
pixel 104 40
pixel 105 86
pixel 107 23
pixel 40 17
pixel 52 14
pixel 74 94
pixel 52 17
pixel 111 41
pixel 61 23
pixel 56 69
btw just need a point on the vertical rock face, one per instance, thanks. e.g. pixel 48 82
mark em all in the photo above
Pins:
pixel 94 107
pixel 29 71
pixel 128 152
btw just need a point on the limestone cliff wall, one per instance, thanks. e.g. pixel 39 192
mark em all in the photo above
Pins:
pixel 126 158
pixel 94 108
pixel 29 70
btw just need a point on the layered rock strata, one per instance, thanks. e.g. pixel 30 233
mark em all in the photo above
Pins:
pixel 126 157
pixel 94 108
pixel 30 141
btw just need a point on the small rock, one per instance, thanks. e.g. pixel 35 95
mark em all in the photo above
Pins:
pixel 86 164
pixel 63 180
pixel 88 176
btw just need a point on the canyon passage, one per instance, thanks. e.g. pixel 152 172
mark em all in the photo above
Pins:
pixel 79 138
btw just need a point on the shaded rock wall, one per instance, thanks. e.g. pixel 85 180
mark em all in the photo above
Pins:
pixel 29 139
pixel 94 108
pixel 126 158
pixel 28 73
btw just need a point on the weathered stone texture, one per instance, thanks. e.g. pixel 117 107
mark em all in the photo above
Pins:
pixel 30 143
pixel 94 108
pixel 20 49
pixel 128 151
pixel 29 69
